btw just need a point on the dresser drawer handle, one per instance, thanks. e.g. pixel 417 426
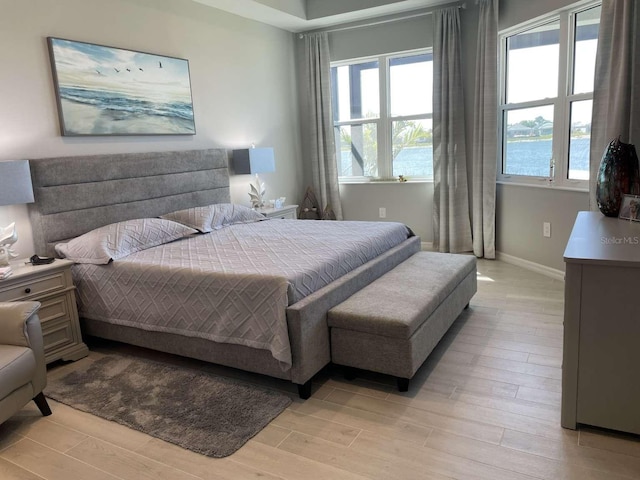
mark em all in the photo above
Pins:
pixel 27 290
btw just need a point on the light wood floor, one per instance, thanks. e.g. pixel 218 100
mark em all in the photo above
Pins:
pixel 486 405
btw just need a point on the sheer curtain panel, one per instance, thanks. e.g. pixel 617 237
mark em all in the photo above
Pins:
pixel 320 142
pixel 451 221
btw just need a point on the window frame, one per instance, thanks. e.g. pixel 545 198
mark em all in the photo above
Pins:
pixel 558 170
pixel 384 122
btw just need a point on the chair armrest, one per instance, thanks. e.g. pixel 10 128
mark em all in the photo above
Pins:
pixel 13 322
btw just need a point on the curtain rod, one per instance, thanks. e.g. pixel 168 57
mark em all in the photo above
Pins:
pixel 382 22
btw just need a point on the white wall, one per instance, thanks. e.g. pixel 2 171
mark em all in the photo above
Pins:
pixel 514 12
pixel 325 8
pixel 393 37
pixel 242 79
pixel 409 203
pixel 520 214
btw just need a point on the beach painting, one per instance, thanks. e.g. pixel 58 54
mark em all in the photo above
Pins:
pixel 111 91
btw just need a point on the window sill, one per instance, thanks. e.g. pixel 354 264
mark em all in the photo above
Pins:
pixel 381 182
pixel 544 186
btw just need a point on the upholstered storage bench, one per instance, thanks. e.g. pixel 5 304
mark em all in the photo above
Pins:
pixel 392 325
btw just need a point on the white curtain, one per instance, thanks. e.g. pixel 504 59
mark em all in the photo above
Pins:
pixel 616 94
pixel 485 132
pixel 319 137
pixel 451 222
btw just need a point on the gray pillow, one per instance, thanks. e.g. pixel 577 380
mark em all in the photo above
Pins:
pixel 214 217
pixel 111 242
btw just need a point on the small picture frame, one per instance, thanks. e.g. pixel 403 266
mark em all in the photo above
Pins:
pixel 630 208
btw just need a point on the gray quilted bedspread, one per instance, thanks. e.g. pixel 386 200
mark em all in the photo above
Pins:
pixel 232 285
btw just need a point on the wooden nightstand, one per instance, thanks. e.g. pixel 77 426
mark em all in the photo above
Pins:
pixel 288 211
pixel 52 286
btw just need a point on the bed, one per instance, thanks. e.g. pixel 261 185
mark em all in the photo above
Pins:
pixel 75 195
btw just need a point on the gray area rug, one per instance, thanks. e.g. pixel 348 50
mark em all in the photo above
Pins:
pixel 196 410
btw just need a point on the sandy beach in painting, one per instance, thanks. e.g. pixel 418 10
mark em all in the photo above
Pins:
pixel 83 119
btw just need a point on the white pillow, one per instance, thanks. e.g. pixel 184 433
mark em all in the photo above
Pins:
pixel 111 242
pixel 214 217
pixel 230 213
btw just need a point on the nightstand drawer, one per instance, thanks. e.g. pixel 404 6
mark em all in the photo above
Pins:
pixel 291 215
pixel 53 309
pixel 38 287
pixel 57 334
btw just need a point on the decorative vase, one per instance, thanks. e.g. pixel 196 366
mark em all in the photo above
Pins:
pixel 619 174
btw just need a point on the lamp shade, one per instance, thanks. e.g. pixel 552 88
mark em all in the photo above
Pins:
pixel 15 182
pixel 254 160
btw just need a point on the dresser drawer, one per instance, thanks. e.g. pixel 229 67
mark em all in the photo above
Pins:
pixel 24 290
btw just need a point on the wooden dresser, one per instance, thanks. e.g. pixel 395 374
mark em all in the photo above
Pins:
pixel 601 358
pixel 52 286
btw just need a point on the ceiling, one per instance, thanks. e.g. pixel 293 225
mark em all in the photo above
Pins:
pixel 304 15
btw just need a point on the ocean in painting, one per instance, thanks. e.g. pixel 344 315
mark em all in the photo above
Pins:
pixel 105 100
pixel 111 91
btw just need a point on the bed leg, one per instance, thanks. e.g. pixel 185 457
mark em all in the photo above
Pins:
pixel 304 390
pixel 403 384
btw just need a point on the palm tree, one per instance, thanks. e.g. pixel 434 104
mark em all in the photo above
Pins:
pixel 364 148
pixel 408 133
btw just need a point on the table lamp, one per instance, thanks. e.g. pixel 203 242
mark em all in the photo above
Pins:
pixel 255 161
pixel 15 188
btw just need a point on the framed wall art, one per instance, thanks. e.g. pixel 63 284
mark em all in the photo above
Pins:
pixel 111 91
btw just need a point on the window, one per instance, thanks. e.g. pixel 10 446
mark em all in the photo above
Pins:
pixel 382 109
pixel 547 72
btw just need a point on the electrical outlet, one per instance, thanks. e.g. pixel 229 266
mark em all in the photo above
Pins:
pixel 546 229
pixel 383 212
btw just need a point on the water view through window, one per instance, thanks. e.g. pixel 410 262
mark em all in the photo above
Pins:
pixel 531 157
pixel 384 132
pixel 410 162
pixel 547 104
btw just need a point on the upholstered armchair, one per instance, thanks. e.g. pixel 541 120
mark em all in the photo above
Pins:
pixel 23 373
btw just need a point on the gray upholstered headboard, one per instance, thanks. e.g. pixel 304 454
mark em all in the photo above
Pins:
pixel 74 195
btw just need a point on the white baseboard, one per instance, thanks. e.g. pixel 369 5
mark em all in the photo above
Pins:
pixel 534 267
pixel 520 262
pixel 426 246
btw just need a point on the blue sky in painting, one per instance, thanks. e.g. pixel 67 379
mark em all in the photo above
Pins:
pixel 133 74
